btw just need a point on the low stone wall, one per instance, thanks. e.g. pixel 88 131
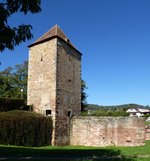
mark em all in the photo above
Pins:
pixel 107 131
pixel 147 129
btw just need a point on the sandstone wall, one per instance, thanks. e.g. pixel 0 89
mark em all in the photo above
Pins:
pixel 42 77
pixel 147 128
pixel 68 90
pixel 107 131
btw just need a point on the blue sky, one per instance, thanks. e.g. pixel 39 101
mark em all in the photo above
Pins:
pixel 114 37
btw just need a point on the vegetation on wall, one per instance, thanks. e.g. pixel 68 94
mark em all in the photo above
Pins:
pixel 24 128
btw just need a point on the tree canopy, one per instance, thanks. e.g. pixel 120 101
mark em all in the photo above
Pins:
pixel 13 81
pixel 13 36
pixel 83 95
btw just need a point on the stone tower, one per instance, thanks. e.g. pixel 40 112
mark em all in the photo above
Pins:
pixel 54 82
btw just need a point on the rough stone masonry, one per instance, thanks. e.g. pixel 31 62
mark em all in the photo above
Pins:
pixel 107 131
pixel 54 89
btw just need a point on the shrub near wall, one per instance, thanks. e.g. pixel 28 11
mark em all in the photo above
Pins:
pixel 8 104
pixel 24 128
pixel 110 113
pixel 106 113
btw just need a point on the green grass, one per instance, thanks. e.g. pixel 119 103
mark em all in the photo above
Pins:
pixel 138 150
pixel 78 153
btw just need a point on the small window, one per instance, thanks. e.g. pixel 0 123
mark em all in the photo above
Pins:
pixel 48 112
pixel 69 113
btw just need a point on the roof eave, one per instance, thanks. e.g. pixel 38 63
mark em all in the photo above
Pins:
pixel 50 38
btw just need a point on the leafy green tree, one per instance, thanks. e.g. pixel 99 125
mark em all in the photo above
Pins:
pixel 12 36
pixel 83 95
pixel 6 82
pixel 20 75
pixel 13 80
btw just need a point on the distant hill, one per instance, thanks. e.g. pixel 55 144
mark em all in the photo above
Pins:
pixel 123 107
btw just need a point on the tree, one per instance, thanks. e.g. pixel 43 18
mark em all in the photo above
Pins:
pixel 20 75
pixel 83 95
pixel 12 80
pixel 12 36
pixel 6 82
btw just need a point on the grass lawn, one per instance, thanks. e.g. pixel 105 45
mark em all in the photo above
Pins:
pixel 77 153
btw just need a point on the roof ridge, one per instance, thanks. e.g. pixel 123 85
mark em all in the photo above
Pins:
pixel 55 31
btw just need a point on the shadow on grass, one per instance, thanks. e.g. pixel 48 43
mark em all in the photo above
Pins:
pixel 62 153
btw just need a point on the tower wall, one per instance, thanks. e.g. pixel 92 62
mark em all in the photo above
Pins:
pixel 68 90
pixel 42 77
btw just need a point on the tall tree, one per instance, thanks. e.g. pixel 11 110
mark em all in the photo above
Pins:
pixel 12 36
pixel 83 95
pixel 13 81
pixel 6 82
pixel 20 77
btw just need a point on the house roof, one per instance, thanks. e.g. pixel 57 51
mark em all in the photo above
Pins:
pixel 53 33
pixel 143 110
pixel 131 110
pixel 140 110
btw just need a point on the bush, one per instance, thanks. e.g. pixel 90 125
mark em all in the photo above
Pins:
pixel 23 128
pixel 110 113
pixel 106 113
pixel 8 104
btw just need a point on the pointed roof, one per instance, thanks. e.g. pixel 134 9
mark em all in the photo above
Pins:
pixel 53 33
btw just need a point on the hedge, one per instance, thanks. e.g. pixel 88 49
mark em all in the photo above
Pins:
pixel 8 104
pixel 24 128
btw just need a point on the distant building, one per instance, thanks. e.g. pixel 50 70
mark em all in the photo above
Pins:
pixel 138 112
